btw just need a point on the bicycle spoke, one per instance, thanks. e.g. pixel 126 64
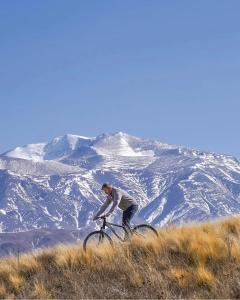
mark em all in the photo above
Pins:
pixel 140 234
pixel 96 239
pixel 99 239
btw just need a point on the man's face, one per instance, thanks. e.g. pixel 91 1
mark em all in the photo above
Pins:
pixel 107 190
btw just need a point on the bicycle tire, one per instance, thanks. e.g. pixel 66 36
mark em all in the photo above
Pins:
pixel 98 232
pixel 141 226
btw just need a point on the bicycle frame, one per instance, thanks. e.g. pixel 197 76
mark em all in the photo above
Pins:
pixel 110 226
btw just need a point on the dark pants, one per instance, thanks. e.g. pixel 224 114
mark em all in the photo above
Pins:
pixel 128 215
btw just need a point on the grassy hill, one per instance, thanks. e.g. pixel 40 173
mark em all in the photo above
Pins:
pixel 198 261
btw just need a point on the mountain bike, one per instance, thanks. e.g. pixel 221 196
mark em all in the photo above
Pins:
pixel 100 237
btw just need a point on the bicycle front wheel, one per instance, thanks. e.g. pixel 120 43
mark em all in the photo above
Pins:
pixel 145 231
pixel 96 239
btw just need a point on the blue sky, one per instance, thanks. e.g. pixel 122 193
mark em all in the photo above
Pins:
pixel 168 70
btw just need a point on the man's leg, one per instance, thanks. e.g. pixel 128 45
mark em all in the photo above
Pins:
pixel 128 215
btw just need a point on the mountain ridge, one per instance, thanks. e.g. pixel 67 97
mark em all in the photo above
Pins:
pixel 69 136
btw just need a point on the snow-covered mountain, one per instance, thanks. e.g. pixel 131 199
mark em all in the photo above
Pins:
pixel 57 184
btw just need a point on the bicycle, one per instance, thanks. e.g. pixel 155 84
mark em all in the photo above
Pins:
pixel 100 236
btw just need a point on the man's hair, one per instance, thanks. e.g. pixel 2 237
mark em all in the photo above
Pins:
pixel 106 185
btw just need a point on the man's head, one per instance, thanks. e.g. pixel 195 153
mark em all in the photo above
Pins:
pixel 107 188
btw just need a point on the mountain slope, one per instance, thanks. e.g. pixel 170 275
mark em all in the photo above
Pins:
pixel 192 262
pixel 57 184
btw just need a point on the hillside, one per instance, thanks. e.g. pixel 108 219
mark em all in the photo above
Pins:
pixel 198 261
pixel 56 185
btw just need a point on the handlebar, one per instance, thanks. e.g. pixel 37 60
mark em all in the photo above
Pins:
pixel 104 222
pixel 102 217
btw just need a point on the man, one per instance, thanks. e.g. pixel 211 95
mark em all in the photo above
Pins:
pixel 121 199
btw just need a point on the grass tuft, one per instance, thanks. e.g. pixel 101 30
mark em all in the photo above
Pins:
pixel 182 276
pixel 40 291
pixel 205 277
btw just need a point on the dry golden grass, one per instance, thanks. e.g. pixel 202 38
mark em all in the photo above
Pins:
pixel 197 261
pixel 205 277
pixel 40 291
pixel 182 276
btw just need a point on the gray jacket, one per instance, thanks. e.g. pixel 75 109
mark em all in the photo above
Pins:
pixel 118 197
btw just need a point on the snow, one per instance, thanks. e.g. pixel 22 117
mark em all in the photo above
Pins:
pixel 33 152
pixel 58 147
pixel 68 141
pixel 118 144
pixel 62 146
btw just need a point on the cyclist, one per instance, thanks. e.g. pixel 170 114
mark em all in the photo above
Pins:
pixel 121 199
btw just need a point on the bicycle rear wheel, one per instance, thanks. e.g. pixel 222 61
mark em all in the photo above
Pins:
pixel 144 231
pixel 96 239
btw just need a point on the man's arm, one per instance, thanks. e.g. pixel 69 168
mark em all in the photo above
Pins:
pixel 116 199
pixel 103 208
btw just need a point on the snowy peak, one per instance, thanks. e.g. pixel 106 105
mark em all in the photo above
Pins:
pixel 71 147
pixel 64 145
pixel 57 148
pixel 120 144
pixel 30 152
